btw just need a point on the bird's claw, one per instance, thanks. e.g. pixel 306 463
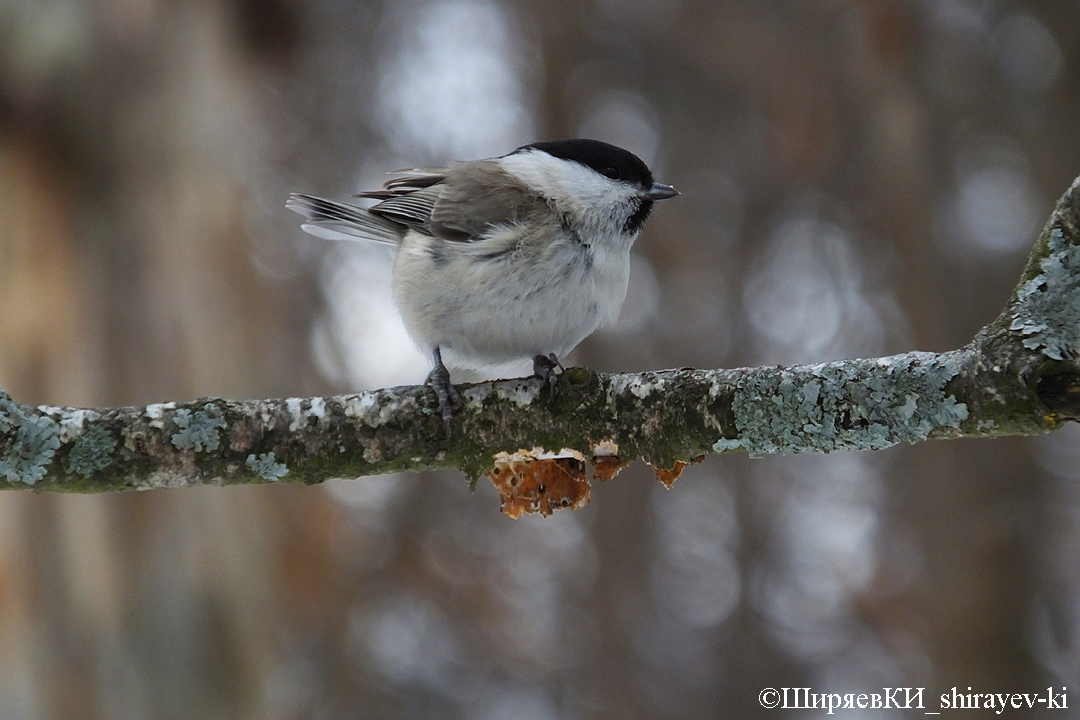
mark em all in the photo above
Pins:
pixel 448 395
pixel 544 367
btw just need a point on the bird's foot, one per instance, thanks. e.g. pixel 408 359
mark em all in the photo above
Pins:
pixel 544 367
pixel 448 395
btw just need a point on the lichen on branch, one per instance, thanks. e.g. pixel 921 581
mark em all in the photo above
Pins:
pixel 1019 376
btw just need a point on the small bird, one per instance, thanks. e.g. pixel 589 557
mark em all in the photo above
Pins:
pixel 499 260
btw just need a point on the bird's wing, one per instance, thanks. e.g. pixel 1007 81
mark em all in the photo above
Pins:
pixel 458 203
pixel 411 208
pixel 409 198
pixel 340 221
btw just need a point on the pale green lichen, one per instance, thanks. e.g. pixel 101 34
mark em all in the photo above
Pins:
pixel 726 445
pixel 1048 311
pixel 92 451
pixel 35 444
pixel 11 415
pixel 265 467
pixel 198 431
pixel 851 405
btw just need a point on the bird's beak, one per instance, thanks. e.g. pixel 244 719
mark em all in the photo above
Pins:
pixel 660 191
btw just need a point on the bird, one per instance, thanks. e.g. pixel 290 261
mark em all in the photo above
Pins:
pixel 506 258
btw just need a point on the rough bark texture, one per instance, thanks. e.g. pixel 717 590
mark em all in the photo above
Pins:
pixel 1019 376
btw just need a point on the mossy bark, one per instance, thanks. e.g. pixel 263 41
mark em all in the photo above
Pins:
pixel 1019 376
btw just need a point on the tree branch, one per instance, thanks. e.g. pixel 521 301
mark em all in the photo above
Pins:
pixel 1019 376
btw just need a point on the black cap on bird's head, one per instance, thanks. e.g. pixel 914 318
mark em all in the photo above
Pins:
pixel 612 162
pixel 607 159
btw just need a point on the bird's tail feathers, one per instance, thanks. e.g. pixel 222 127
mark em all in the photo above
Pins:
pixel 335 220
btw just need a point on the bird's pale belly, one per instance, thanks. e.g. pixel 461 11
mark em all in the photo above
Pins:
pixel 491 319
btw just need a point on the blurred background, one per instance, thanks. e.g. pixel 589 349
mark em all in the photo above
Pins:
pixel 859 178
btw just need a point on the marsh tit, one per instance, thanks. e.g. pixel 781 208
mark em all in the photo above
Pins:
pixel 499 260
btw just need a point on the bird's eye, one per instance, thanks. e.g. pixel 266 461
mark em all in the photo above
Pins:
pixel 611 172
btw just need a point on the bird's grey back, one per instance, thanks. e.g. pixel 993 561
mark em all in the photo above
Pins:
pixel 459 203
